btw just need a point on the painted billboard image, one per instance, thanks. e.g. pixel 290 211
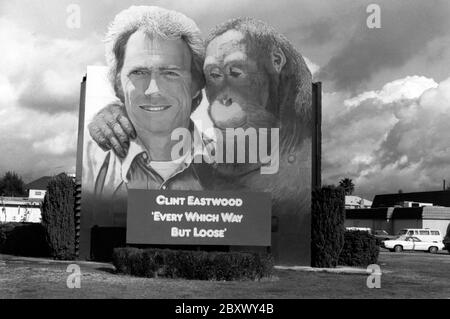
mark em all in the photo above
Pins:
pixel 199 125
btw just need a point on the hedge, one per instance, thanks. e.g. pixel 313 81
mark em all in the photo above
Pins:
pixel 23 239
pixel 360 249
pixel 104 240
pixel 327 226
pixel 58 217
pixel 447 239
pixel 189 264
pixel 447 243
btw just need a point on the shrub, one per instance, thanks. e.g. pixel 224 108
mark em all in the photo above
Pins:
pixel 447 239
pixel 23 239
pixel 360 249
pixel 58 217
pixel 188 264
pixel 104 240
pixel 447 243
pixel 327 226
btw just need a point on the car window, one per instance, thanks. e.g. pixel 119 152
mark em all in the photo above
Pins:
pixel 424 232
pixel 435 233
pixel 411 232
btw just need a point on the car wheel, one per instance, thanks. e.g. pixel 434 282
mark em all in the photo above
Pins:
pixel 433 250
pixel 398 249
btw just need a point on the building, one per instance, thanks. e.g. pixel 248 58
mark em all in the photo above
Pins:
pixel 393 212
pixel 20 209
pixel 414 204
pixel 352 202
pixel 37 189
pixel 26 209
pixel 437 198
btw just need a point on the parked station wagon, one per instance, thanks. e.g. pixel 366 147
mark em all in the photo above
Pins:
pixel 412 243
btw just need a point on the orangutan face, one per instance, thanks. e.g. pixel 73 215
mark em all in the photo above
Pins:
pixel 238 82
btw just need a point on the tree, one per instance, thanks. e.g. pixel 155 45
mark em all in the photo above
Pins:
pixel 58 217
pixel 447 239
pixel 327 225
pixel 12 184
pixel 347 185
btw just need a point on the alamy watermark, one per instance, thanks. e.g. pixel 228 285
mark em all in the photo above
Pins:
pixel 374 279
pixel 73 20
pixel 249 145
pixel 374 19
pixel 74 279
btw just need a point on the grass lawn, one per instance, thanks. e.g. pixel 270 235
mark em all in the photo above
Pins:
pixel 408 275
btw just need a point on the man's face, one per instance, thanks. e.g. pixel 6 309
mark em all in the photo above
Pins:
pixel 156 82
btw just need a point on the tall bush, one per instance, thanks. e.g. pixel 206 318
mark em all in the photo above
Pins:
pixel 447 239
pixel 327 226
pixel 58 217
pixel 360 249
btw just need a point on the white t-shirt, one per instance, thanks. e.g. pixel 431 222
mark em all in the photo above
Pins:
pixel 166 169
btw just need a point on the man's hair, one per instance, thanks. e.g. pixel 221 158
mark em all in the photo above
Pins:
pixel 153 21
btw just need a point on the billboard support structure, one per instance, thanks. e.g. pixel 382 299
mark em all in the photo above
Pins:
pixel 317 135
pixel 79 164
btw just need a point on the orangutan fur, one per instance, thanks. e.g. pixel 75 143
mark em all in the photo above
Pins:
pixel 288 108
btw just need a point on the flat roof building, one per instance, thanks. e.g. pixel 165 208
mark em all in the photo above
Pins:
pixel 393 212
pixel 437 198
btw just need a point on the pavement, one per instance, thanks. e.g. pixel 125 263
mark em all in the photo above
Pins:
pixel 48 261
pixel 337 270
pixel 92 264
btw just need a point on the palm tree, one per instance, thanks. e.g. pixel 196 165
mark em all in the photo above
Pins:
pixel 347 185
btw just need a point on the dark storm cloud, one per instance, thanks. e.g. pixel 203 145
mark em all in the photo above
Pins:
pixel 406 28
pixel 37 97
pixel 318 32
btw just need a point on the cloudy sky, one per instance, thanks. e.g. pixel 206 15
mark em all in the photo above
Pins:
pixel 386 91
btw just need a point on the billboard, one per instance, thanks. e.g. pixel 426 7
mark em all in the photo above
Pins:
pixel 174 112
pixel 198 218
